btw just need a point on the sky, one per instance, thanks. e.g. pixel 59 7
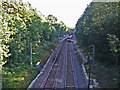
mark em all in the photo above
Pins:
pixel 68 11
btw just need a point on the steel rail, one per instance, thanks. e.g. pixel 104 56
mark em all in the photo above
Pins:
pixel 53 65
pixel 70 70
pixel 58 76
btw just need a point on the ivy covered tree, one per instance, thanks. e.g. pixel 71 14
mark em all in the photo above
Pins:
pixel 99 26
pixel 21 25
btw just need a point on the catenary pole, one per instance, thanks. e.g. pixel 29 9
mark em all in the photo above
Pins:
pixel 31 56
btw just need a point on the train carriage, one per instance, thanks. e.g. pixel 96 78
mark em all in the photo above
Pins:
pixel 69 38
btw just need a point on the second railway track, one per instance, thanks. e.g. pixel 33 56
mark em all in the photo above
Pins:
pixel 70 81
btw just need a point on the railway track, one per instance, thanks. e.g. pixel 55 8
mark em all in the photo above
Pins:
pixel 56 70
pixel 60 70
pixel 60 76
pixel 70 81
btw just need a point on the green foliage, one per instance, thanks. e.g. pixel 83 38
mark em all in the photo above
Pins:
pixel 99 26
pixel 21 25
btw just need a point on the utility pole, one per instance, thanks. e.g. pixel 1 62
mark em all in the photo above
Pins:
pixel 31 56
pixel 93 57
pixel 93 60
pixel 90 62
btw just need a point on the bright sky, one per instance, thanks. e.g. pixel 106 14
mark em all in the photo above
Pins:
pixel 68 11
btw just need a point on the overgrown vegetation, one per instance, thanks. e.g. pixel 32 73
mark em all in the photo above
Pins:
pixel 99 26
pixel 21 25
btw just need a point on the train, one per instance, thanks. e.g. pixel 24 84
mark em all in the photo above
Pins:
pixel 69 38
pixel 70 35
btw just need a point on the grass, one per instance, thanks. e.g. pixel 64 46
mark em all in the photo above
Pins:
pixel 20 76
pixel 106 75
